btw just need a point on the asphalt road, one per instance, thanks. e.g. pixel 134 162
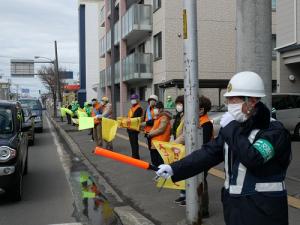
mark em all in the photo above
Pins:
pixel 47 198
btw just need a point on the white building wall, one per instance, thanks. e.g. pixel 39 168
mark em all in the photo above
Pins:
pixel 92 25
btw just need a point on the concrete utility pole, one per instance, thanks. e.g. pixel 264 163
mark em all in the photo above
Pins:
pixel 191 112
pixel 254 41
pixel 57 75
pixel 112 26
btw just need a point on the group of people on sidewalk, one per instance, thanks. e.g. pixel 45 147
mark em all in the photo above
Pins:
pixel 159 124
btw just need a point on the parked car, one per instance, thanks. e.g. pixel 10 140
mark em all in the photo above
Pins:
pixel 287 110
pixel 29 120
pixel 13 149
pixel 37 110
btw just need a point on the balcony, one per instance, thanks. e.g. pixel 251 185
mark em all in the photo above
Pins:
pixel 102 46
pixel 137 23
pixel 137 67
pixel 102 16
pixel 117 32
pixel 102 79
pixel 117 74
pixel 108 41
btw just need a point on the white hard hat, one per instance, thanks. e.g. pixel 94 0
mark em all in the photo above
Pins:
pixel 247 84
pixel 154 97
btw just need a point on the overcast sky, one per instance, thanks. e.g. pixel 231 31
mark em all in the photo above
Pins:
pixel 28 28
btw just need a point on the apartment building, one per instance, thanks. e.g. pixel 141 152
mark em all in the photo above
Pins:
pixel 149 48
pixel 288 46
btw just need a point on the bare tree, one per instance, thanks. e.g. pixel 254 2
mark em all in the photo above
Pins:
pixel 49 79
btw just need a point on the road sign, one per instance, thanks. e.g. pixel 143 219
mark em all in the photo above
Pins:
pixel 22 68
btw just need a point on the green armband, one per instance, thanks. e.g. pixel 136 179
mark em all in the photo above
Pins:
pixel 265 148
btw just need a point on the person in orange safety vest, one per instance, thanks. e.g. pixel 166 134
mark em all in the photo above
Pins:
pixel 148 117
pixel 161 131
pixel 97 130
pixel 135 111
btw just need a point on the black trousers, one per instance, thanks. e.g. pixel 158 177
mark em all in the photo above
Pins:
pixel 69 119
pixel 134 142
pixel 258 209
pixel 156 159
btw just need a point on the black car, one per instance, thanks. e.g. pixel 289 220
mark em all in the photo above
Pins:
pixel 13 149
pixel 37 110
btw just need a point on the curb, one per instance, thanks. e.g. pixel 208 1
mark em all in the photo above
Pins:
pixel 126 213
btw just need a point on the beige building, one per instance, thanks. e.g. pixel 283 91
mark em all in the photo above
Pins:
pixel 149 48
pixel 288 46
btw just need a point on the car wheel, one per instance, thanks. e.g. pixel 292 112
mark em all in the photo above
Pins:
pixel 297 132
pixel 17 190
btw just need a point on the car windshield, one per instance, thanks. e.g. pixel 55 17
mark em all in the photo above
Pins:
pixel 26 112
pixel 32 103
pixel 6 121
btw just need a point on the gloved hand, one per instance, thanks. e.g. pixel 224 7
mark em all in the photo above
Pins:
pixel 99 116
pixel 165 171
pixel 226 119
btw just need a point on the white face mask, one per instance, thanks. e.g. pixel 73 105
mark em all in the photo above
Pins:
pixel 236 111
pixel 152 103
pixel 103 103
pixel 156 111
pixel 133 101
pixel 179 108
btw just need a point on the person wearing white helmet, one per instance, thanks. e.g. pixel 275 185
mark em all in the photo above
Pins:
pixel 256 151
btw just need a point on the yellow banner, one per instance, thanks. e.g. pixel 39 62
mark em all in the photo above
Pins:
pixel 81 113
pixel 170 152
pixel 86 123
pixel 109 129
pixel 75 121
pixel 68 111
pixel 130 123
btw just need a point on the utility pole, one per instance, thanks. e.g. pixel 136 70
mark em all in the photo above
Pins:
pixel 254 41
pixel 112 26
pixel 57 75
pixel 191 112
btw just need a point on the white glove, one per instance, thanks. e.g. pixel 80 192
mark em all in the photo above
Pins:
pixel 165 171
pixel 99 116
pixel 226 119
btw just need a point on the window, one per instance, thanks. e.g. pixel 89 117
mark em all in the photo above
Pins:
pixel 6 121
pixel 273 46
pixel 274 5
pixel 157 47
pixel 156 5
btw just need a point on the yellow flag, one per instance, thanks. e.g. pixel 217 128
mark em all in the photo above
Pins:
pixel 63 112
pixel 170 152
pixel 130 123
pixel 75 121
pixel 81 113
pixel 68 111
pixel 109 129
pixel 85 123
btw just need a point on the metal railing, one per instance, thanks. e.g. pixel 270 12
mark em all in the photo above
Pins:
pixel 138 17
pixel 137 66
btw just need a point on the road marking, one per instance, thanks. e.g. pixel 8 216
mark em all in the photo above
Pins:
pixel 292 201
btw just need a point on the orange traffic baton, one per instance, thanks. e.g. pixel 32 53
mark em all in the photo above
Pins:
pixel 124 159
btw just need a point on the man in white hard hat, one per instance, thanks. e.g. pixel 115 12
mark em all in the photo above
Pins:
pixel 256 151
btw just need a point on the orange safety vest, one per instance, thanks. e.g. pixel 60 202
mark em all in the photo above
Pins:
pixel 165 136
pixel 148 128
pixel 204 119
pixel 132 110
pixel 97 107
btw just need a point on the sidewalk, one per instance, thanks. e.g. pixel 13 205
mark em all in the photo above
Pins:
pixel 136 187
